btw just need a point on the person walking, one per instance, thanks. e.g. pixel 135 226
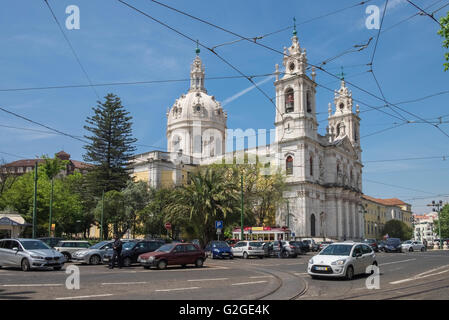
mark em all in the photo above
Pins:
pixel 281 249
pixel 117 255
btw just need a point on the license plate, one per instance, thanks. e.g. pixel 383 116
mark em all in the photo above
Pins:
pixel 321 268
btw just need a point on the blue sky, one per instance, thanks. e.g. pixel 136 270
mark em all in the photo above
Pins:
pixel 116 44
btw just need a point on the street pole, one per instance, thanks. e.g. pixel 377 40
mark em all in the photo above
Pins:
pixel 241 213
pixel 288 214
pixel 35 200
pixel 51 206
pixel 102 215
pixel 438 205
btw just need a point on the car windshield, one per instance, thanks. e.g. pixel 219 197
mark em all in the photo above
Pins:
pixel 166 248
pixel 129 245
pixel 336 250
pixel 220 244
pixel 306 241
pixel 407 242
pixel 369 241
pixel 256 244
pixel 393 241
pixel 34 245
pixel 98 245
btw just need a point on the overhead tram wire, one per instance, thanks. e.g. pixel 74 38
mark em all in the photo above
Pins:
pixel 215 53
pixel 42 125
pixel 426 13
pixel 130 83
pixel 318 67
pixel 396 186
pixel 71 48
pixel 372 60
pixel 443 157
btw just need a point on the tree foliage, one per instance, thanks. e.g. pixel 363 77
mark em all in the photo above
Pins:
pixel 398 229
pixel 444 33
pixel 110 147
pixel 444 222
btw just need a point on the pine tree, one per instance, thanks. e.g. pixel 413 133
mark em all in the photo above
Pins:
pixel 110 147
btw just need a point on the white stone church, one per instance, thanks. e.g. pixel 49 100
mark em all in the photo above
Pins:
pixel 323 173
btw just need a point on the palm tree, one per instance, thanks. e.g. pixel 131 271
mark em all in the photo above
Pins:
pixel 208 197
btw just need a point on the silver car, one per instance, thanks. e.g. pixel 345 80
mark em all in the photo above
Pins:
pixel 343 259
pixel 412 245
pixel 92 255
pixel 246 249
pixel 69 247
pixel 29 254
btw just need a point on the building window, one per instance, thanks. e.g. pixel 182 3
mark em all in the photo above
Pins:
pixel 311 165
pixel 289 165
pixel 289 101
pixel 308 102
pixel 312 225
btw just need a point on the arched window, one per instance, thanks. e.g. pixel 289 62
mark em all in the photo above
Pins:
pixel 338 129
pixel 311 165
pixel 312 225
pixel 308 102
pixel 289 165
pixel 289 101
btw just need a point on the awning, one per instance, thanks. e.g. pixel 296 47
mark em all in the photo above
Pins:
pixel 5 221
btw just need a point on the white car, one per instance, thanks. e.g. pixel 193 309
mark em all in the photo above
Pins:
pixel 411 245
pixel 342 259
pixel 69 247
pixel 246 249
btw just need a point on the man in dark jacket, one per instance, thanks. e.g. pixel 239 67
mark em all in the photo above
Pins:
pixel 117 255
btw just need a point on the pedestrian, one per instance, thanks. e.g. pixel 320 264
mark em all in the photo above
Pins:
pixel 117 255
pixel 281 249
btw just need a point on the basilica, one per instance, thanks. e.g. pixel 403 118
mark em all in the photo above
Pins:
pixel 323 173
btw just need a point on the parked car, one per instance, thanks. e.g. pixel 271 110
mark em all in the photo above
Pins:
pixel 372 243
pixel 267 248
pixel 324 244
pixel 94 254
pixel 69 247
pixel 393 245
pixel 173 254
pixel 289 249
pixel 218 249
pixel 131 250
pixel 246 249
pixel 29 254
pixel 52 242
pixel 381 245
pixel 413 245
pixel 303 246
pixel 342 259
pixel 313 246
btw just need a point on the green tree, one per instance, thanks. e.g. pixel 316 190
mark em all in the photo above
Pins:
pixel 208 197
pixel 444 221
pixel 110 147
pixel 137 196
pixel 398 229
pixel 52 167
pixel 7 179
pixel 444 33
pixel 114 212
pixel 152 218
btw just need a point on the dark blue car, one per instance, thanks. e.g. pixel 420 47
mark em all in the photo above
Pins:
pixel 393 245
pixel 218 249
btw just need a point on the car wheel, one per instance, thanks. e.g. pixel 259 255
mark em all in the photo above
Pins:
pixel 422 249
pixel 183 265
pixel 349 273
pixel 260 257
pixel 25 265
pixel 57 268
pixel 285 254
pixel 146 267
pixel 231 257
pixel 94 259
pixel 127 261
pixel 410 250
pixel 245 255
pixel 161 265
pixel 67 256
pixel 199 263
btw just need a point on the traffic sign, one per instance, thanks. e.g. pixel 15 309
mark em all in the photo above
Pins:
pixel 218 224
pixel 168 226
pixel 218 231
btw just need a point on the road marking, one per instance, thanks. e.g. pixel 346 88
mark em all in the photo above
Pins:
pixel 216 279
pixel 418 277
pixel 300 273
pixel 84 297
pixel 244 283
pixel 256 277
pixel 177 289
pixel 32 285
pixel 119 283
pixel 383 264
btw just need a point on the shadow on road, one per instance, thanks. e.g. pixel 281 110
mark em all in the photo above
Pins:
pixel 15 295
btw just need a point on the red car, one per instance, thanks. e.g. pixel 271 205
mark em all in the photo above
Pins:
pixel 173 254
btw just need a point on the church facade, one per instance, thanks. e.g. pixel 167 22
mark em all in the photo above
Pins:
pixel 323 173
